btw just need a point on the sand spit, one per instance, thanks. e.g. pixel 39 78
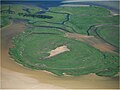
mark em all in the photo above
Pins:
pixel 58 50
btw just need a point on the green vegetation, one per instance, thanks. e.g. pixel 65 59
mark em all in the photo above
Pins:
pixel 110 34
pixel 82 18
pixel 33 11
pixel 83 11
pixel 32 46
pixel 4 21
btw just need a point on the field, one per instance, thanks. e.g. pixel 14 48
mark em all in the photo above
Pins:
pixel 86 33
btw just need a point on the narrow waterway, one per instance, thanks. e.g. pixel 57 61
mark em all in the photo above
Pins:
pixel 16 76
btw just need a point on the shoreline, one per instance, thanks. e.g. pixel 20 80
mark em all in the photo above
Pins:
pixel 24 81
pixel 72 5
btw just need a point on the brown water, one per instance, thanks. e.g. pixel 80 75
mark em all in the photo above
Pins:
pixel 16 76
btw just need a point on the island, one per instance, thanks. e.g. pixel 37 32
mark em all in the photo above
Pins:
pixel 66 41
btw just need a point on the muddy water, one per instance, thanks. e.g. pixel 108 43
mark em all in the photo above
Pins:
pixel 16 76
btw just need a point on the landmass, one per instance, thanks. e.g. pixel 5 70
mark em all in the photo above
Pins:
pixel 65 40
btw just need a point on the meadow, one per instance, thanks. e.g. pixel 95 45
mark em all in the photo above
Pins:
pixel 110 34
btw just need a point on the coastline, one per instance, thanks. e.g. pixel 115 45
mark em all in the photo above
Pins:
pixel 72 5
pixel 22 81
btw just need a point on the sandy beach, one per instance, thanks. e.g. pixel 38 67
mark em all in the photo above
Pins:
pixel 11 79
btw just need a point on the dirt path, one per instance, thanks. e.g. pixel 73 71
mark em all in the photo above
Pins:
pixel 16 76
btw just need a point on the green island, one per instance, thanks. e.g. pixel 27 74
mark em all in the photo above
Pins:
pixel 65 40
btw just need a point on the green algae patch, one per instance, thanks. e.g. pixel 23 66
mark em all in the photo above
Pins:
pixel 32 46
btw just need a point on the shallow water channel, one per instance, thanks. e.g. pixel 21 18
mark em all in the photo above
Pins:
pixel 16 76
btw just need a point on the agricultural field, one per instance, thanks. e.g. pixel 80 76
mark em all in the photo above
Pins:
pixel 65 40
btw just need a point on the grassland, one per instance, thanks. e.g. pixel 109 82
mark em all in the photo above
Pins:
pixel 82 18
pixel 75 62
pixel 110 34
pixel 4 21
pixel 16 9
pixel 32 46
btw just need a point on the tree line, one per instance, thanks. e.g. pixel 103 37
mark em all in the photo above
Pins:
pixel 35 15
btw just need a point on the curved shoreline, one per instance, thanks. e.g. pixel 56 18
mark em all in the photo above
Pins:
pixel 15 68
